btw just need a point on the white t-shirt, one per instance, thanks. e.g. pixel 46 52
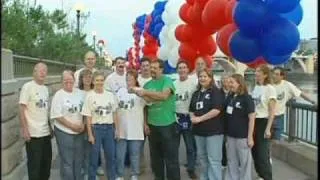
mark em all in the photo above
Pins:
pixel 36 98
pixel 131 116
pixel 194 77
pixel 261 96
pixel 114 82
pixel 77 74
pixel 285 91
pixel 100 107
pixel 142 81
pixel 67 105
pixel 184 91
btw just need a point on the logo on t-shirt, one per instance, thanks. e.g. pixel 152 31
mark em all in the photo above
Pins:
pixel 72 108
pixel 103 110
pixel 257 100
pixel 182 97
pixel 207 96
pixel 280 96
pixel 126 104
pixel 238 105
pixel 41 102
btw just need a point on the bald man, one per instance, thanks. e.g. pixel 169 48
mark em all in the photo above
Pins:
pixel 89 62
pixel 35 125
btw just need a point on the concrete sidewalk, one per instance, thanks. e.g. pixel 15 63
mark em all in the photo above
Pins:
pixel 281 170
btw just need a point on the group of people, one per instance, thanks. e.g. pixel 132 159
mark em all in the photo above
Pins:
pixel 119 112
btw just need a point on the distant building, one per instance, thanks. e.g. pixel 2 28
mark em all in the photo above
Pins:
pixel 309 45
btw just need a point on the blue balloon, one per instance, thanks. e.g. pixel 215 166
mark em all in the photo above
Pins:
pixel 157 19
pixel 280 37
pixel 295 15
pixel 281 6
pixel 276 60
pixel 157 29
pixel 249 16
pixel 168 69
pixel 243 48
pixel 160 5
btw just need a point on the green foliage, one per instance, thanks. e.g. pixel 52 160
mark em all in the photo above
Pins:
pixel 33 31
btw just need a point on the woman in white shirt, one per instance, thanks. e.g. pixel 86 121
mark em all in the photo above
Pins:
pixel 85 85
pixel 131 124
pixel 100 108
pixel 65 109
pixel 264 96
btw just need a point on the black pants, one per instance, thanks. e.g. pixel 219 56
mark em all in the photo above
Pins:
pixel 164 151
pixel 261 150
pixel 39 155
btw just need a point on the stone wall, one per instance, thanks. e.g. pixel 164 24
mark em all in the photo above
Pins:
pixel 13 162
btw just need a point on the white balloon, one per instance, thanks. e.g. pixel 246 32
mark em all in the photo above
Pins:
pixel 173 57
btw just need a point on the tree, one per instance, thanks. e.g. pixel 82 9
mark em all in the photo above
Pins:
pixel 33 31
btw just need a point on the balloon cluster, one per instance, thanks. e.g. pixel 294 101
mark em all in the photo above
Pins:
pixel 157 22
pixel 261 31
pixel 152 30
pixel 169 44
pixel 134 53
pixel 203 18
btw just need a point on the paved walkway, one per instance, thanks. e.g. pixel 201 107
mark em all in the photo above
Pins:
pixel 281 170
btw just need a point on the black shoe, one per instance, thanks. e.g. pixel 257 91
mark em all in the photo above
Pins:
pixel 192 174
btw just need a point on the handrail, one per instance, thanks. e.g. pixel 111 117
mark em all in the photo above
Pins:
pixel 301 122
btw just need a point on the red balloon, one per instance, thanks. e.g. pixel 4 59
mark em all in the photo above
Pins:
pixel 190 2
pixel 207 46
pixel 184 11
pixel 224 36
pixel 202 3
pixel 231 5
pixel 257 62
pixel 194 15
pixel 186 52
pixel 213 15
pixel 183 33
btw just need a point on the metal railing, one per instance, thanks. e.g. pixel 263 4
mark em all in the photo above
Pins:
pixel 301 122
pixel 23 66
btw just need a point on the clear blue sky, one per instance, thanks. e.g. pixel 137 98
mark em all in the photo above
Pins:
pixel 112 19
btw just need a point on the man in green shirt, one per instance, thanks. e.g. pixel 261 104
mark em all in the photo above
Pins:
pixel 160 126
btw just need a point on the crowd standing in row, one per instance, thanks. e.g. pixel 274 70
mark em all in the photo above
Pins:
pixel 220 126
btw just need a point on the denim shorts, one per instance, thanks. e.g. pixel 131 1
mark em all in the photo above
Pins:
pixel 277 127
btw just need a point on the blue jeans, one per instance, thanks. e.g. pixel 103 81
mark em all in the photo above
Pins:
pixel 277 127
pixel 190 143
pixel 134 147
pixel 70 147
pixel 209 150
pixel 104 136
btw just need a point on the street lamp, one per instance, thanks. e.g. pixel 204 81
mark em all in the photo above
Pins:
pixel 78 7
pixel 94 34
pixel 100 45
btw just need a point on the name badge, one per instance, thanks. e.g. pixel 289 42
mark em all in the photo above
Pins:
pixel 229 109
pixel 199 105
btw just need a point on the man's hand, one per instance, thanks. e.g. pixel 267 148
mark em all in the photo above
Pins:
pixel 26 134
pixel 140 92
pixel 146 130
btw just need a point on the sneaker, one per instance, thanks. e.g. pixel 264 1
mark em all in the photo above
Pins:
pixel 100 171
pixel 119 178
pixel 134 178
pixel 192 174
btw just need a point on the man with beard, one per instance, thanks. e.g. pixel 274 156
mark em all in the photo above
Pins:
pixel 160 125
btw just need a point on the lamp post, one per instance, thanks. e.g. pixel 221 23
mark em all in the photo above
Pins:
pixel 94 34
pixel 100 44
pixel 78 7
